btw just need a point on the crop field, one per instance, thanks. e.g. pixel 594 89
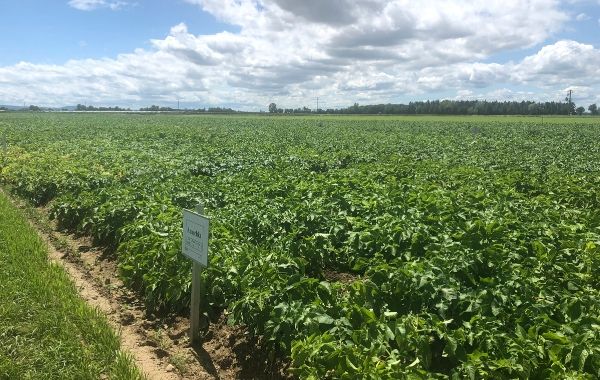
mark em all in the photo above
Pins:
pixel 358 247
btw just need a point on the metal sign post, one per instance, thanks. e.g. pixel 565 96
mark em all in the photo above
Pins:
pixel 195 247
pixel 4 149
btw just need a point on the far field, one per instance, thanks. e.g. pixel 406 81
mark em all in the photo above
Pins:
pixel 377 247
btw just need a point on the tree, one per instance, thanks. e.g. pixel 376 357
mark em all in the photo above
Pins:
pixel 580 110
pixel 272 108
pixel 533 109
pixel 593 108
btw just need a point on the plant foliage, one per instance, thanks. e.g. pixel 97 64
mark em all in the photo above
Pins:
pixel 360 247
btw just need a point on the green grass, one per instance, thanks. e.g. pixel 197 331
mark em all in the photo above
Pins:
pixel 46 330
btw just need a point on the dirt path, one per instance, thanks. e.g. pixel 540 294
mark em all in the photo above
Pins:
pixel 132 341
pixel 159 345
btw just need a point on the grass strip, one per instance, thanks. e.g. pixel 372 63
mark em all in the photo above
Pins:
pixel 46 330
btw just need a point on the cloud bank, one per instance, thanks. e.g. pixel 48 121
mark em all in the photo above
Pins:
pixel 342 51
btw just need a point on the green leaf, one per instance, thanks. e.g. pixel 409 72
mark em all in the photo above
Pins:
pixel 325 319
pixel 556 337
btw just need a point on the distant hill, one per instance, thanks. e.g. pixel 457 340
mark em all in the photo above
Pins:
pixel 18 108
pixel 12 108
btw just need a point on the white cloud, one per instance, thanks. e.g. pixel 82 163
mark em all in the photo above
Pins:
pixel 89 5
pixel 342 51
pixel 582 17
pixel 562 63
pixel 129 78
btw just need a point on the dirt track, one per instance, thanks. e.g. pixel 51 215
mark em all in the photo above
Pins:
pixel 159 345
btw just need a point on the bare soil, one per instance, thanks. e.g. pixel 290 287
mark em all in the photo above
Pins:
pixel 343 277
pixel 159 344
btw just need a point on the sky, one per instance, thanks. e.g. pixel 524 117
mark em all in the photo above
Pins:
pixel 246 54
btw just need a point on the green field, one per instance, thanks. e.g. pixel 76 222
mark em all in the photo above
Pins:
pixel 373 247
pixel 46 330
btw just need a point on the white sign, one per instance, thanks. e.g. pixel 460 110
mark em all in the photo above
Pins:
pixel 195 237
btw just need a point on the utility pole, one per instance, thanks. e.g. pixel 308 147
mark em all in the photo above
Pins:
pixel 319 103
pixel 568 99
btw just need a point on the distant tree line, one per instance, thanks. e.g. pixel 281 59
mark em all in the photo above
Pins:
pixel 452 107
pixel 155 108
pixel 273 109
pixel 215 110
pixel 465 107
pixel 81 107
pixel 434 107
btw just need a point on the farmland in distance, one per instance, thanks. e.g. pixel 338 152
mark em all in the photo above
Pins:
pixel 387 247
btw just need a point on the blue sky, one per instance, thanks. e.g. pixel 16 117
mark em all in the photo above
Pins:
pixel 247 53
pixel 53 32
pixel 585 30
